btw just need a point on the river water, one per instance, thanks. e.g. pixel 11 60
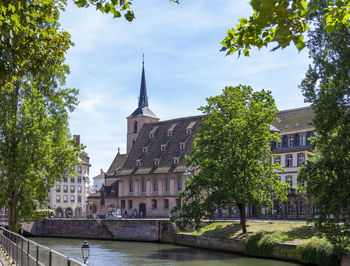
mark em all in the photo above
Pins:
pixel 103 252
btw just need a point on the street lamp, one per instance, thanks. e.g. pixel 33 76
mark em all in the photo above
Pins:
pixel 85 251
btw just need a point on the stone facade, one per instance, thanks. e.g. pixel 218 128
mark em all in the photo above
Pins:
pixel 68 198
pixel 295 128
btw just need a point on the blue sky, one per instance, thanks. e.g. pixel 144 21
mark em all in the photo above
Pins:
pixel 183 66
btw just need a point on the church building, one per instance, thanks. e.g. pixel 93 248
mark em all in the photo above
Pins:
pixel 146 181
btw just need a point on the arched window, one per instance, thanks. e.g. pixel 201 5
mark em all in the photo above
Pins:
pixel 135 127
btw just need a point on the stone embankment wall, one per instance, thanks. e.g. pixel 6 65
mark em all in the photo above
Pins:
pixel 139 230
pixel 145 230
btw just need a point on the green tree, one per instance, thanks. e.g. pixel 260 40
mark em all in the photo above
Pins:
pixel 36 149
pixel 327 87
pixel 232 151
pixel 284 21
pixel 30 40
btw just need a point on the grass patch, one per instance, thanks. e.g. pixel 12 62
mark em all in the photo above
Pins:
pixel 293 232
pixel 318 251
pixel 263 243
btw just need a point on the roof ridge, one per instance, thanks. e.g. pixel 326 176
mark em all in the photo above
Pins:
pixel 175 119
pixel 294 109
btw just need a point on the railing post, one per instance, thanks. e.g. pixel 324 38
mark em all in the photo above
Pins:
pixel 50 257
pixel 68 261
pixel 28 253
pixel 16 245
pixel 22 251
pixel 37 255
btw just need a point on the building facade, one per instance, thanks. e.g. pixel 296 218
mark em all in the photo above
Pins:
pixel 146 181
pixel 98 181
pixel 295 128
pixel 69 197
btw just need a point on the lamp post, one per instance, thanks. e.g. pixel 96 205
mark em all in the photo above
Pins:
pixel 85 251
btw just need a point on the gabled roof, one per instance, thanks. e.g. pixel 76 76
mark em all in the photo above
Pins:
pixel 117 164
pixel 295 120
pixel 154 143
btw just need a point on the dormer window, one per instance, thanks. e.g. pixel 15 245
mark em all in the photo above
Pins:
pixel 162 147
pixel 156 161
pixel 152 132
pixel 144 149
pixel 138 162
pixel 190 127
pixel 171 129
pixel 182 146
pixel 176 160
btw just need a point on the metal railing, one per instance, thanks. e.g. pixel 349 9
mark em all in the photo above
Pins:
pixel 25 252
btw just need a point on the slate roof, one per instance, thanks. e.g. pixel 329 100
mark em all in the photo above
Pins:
pixel 117 164
pixel 295 120
pixel 148 149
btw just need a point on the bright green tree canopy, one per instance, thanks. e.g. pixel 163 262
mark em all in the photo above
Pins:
pixel 232 152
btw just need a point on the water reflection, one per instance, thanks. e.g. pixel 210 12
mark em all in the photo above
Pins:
pixel 141 253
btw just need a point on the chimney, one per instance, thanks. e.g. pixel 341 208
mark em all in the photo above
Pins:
pixel 101 171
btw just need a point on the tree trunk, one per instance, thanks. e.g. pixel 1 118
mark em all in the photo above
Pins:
pixel 242 215
pixel 11 216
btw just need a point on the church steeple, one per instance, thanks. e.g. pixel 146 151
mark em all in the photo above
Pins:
pixel 142 108
pixel 141 115
pixel 143 99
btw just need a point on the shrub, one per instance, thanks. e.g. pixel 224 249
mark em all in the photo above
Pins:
pixel 318 251
pixel 263 243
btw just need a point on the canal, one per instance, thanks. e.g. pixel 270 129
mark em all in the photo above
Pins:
pixel 111 253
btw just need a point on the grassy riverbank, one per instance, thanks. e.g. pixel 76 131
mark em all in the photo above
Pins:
pixel 292 232
pixel 262 240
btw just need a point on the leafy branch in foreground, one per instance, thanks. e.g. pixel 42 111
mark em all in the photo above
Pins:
pixel 284 21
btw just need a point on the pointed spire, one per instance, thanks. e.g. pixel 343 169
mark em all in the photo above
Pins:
pixel 143 100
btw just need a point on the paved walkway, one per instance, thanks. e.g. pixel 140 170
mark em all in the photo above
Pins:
pixel 3 261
